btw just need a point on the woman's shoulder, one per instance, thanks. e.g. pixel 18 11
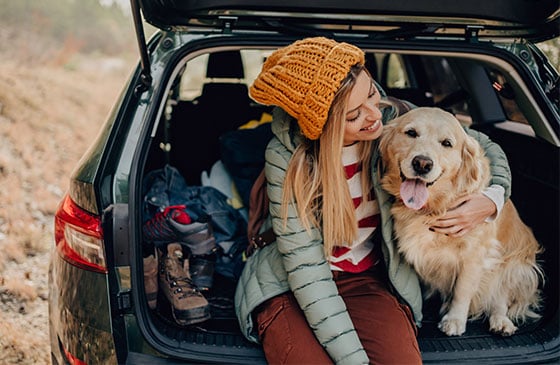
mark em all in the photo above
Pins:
pixel 285 129
pixel 276 150
pixel 282 145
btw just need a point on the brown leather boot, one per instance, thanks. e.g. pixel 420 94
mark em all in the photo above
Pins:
pixel 151 280
pixel 188 305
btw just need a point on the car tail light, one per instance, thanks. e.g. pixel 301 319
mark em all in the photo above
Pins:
pixel 79 237
pixel 73 360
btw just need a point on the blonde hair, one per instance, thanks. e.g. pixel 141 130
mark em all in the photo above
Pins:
pixel 316 181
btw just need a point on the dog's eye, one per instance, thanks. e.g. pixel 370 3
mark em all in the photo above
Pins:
pixel 446 143
pixel 411 133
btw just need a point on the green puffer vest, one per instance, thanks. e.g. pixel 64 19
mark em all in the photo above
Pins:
pixel 296 260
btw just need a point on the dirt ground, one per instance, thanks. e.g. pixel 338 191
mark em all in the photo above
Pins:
pixel 48 117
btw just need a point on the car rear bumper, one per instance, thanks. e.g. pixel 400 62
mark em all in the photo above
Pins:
pixel 79 317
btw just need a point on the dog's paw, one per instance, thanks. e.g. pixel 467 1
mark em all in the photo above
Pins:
pixel 502 325
pixel 452 326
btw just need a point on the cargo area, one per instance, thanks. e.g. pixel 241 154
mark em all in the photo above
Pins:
pixel 199 135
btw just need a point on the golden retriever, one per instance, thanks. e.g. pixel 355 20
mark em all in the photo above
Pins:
pixel 429 161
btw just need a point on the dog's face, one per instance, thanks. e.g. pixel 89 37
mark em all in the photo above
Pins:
pixel 424 151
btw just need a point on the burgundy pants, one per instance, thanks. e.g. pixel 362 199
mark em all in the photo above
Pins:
pixel 384 326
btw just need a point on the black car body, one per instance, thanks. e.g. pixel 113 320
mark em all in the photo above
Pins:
pixel 476 59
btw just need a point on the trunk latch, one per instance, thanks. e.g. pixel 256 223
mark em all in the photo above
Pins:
pixel 227 23
pixel 471 32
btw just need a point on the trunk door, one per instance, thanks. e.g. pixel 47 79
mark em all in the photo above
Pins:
pixel 535 20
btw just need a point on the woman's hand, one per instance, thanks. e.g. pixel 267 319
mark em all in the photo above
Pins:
pixel 469 212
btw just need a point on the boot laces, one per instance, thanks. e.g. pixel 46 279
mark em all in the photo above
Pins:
pixel 182 284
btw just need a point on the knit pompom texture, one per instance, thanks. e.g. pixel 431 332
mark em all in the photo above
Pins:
pixel 303 78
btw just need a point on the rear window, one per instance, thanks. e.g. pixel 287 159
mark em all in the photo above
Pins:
pixel 195 75
pixel 422 80
pixel 507 97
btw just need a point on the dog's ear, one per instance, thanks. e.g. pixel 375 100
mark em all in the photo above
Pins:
pixel 473 169
pixel 388 132
pixel 388 169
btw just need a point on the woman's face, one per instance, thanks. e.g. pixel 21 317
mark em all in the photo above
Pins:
pixel 363 118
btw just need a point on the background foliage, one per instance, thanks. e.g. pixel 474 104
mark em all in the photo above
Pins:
pixel 44 30
pixel 62 65
pixel 32 28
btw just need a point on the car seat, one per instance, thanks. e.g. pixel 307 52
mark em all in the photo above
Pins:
pixel 223 105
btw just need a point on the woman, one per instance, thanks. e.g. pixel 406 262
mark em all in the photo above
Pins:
pixel 332 288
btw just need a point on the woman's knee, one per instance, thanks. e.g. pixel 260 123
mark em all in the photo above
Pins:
pixel 285 335
pixel 385 326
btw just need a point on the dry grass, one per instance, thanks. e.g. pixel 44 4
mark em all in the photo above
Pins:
pixel 48 117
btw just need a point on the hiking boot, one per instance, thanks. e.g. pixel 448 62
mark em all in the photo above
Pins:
pixel 202 270
pixel 165 226
pixel 200 241
pixel 173 224
pixel 151 280
pixel 197 236
pixel 188 305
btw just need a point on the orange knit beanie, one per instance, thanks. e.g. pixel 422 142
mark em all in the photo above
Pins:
pixel 303 77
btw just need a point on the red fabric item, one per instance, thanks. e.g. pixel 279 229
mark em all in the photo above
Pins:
pixel 178 213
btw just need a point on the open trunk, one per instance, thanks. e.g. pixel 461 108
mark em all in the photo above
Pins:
pixel 201 111
pixel 427 52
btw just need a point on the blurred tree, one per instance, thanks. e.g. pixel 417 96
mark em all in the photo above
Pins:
pixel 551 49
pixel 103 26
pixel 97 28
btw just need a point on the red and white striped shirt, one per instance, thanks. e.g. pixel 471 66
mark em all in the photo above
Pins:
pixel 360 255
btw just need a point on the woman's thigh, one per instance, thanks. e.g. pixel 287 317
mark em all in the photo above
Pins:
pixel 385 326
pixel 285 335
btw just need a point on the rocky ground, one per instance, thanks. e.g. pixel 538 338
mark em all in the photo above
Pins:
pixel 48 117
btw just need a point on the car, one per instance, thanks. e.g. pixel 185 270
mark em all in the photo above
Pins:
pixel 476 59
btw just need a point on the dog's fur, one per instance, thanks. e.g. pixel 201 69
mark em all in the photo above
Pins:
pixel 489 272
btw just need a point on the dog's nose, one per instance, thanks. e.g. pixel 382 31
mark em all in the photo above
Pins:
pixel 422 164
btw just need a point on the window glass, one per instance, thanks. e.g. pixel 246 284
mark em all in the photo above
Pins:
pixel 194 76
pixel 396 74
pixel 253 60
pixel 445 88
pixel 507 97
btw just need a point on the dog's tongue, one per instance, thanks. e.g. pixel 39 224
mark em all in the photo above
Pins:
pixel 414 193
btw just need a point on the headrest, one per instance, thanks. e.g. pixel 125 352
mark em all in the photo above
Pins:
pixel 225 64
